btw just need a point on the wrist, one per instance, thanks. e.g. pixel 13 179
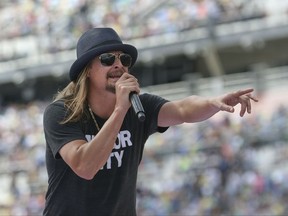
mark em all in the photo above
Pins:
pixel 214 104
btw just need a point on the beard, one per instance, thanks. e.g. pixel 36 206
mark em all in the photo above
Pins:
pixel 111 88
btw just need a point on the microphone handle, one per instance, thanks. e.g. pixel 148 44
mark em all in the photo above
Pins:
pixel 137 106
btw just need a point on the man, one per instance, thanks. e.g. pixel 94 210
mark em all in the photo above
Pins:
pixel 94 139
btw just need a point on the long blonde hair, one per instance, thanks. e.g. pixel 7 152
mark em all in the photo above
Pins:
pixel 74 96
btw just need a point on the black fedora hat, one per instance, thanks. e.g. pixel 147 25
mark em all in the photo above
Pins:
pixel 94 42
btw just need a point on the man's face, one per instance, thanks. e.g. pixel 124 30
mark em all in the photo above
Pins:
pixel 103 77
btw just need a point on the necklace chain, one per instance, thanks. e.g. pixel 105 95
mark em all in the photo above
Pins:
pixel 93 117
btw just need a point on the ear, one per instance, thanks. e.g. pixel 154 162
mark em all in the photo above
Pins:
pixel 88 72
pixel 89 68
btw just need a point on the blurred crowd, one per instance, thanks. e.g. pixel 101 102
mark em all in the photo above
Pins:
pixel 23 177
pixel 56 25
pixel 132 18
pixel 224 166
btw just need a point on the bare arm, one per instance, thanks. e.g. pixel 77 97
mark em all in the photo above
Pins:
pixel 195 108
pixel 87 158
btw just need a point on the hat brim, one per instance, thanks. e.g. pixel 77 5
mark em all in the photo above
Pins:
pixel 82 61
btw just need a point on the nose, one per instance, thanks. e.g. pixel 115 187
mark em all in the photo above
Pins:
pixel 117 62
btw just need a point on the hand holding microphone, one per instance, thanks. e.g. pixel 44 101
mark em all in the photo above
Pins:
pixel 130 81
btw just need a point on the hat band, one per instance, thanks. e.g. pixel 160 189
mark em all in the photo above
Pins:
pixel 110 42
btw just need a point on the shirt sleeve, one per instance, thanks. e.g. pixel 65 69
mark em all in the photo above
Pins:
pixel 56 133
pixel 152 105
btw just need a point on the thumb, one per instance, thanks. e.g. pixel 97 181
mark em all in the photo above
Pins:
pixel 225 107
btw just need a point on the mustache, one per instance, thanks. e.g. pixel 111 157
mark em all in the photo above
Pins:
pixel 114 74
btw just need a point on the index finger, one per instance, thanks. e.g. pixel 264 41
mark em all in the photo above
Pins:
pixel 243 92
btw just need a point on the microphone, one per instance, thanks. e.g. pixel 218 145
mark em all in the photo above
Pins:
pixel 137 106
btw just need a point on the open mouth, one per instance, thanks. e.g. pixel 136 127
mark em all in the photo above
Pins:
pixel 114 76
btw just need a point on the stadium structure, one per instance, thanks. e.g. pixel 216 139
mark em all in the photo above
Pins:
pixel 254 38
pixel 205 47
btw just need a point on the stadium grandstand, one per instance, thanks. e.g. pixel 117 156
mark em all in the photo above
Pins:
pixel 224 166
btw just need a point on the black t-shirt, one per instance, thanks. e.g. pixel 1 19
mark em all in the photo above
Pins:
pixel 112 191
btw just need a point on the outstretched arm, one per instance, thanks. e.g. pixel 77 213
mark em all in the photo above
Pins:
pixel 196 108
